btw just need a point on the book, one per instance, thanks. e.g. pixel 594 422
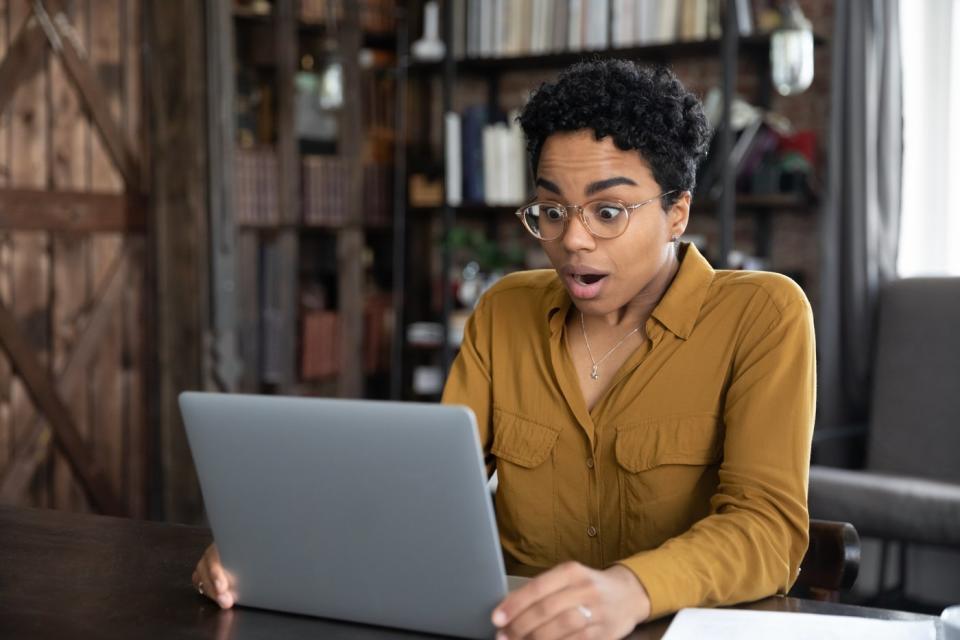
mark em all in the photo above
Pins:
pixel 453 157
pixel 486 26
pixel 256 187
pixel 625 20
pixel 459 8
pixel 472 123
pixel 744 17
pixel 473 19
pixel 597 24
pixel 575 25
pixel 669 25
pixel 491 175
pixel 561 19
pixel 320 340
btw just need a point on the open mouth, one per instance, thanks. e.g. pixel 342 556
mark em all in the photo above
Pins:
pixel 588 278
pixel 585 286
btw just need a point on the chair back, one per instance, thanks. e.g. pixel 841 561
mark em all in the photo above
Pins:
pixel 915 404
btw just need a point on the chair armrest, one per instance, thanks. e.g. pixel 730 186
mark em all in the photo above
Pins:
pixel 888 506
pixel 832 561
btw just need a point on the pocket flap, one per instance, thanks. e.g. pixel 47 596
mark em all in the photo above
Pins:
pixel 695 440
pixel 521 441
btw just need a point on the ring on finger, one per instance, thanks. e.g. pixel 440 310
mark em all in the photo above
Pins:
pixel 585 611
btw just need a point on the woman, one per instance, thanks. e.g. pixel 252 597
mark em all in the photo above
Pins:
pixel 649 418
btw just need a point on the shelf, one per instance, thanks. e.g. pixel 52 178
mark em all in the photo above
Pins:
pixel 469 210
pixel 310 228
pixel 652 52
pixel 777 201
pixel 385 40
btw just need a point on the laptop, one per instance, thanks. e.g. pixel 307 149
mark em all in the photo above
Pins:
pixel 366 511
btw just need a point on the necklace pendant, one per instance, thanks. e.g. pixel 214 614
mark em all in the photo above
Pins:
pixel 594 373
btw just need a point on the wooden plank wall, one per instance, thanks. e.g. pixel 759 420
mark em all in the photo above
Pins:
pixel 49 279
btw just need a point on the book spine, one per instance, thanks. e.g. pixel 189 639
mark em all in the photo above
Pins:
pixel 453 158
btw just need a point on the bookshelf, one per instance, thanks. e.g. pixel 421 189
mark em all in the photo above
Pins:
pixel 312 186
pixel 753 45
pixel 725 35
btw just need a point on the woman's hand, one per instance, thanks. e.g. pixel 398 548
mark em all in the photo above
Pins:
pixel 211 580
pixel 574 601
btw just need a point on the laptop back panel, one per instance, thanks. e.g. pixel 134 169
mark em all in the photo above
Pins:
pixel 373 512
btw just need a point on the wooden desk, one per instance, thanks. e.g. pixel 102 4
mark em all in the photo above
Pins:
pixel 67 575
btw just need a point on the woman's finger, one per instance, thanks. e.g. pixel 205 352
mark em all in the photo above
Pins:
pixel 541 587
pixel 203 583
pixel 219 588
pixel 558 614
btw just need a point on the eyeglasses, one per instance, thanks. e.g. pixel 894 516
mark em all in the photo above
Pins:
pixel 607 219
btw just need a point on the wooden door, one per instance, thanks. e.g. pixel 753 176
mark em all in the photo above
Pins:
pixel 73 428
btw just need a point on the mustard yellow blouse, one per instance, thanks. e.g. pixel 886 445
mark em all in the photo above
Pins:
pixel 691 470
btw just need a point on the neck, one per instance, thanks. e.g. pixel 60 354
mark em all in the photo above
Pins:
pixel 636 312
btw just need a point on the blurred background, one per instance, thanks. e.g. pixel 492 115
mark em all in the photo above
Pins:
pixel 307 197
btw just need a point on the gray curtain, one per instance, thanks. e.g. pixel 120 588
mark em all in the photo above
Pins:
pixel 860 219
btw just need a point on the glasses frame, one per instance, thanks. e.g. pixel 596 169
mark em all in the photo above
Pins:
pixel 583 219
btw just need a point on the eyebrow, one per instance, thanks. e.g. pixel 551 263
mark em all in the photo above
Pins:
pixel 600 185
pixel 592 188
pixel 549 186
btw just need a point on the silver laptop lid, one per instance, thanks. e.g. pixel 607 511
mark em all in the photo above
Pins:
pixel 374 512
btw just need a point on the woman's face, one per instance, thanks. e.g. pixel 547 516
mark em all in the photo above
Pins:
pixel 604 274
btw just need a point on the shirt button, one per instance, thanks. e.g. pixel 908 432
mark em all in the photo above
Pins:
pixel 589 463
pixel 592 531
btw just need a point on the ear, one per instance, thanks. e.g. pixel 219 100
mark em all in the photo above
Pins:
pixel 679 215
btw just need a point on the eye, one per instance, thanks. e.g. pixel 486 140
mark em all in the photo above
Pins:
pixel 608 213
pixel 554 214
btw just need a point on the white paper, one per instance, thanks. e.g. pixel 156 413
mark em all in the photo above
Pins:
pixel 735 624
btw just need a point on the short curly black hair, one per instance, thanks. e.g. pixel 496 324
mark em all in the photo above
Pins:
pixel 642 108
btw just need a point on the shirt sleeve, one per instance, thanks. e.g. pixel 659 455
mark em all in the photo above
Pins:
pixel 469 382
pixel 751 544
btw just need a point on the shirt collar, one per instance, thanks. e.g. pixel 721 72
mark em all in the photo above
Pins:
pixel 679 308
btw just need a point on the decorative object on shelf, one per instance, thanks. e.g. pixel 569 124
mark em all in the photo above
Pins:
pixel 320 12
pixel 425 334
pixel 427 380
pixel 425 191
pixel 769 157
pixel 492 258
pixel 472 285
pixel 455 327
pixel 430 47
pixel 315 122
pixel 253 7
pixel 791 51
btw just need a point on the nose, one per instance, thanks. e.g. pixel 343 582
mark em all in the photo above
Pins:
pixel 576 237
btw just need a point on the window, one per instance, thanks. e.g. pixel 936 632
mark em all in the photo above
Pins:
pixel 930 218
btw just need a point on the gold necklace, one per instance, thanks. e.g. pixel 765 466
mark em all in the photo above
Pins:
pixel 595 371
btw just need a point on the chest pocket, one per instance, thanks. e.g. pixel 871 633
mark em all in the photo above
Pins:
pixel 526 493
pixel 667 473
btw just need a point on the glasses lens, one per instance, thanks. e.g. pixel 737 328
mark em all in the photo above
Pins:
pixel 606 219
pixel 544 220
